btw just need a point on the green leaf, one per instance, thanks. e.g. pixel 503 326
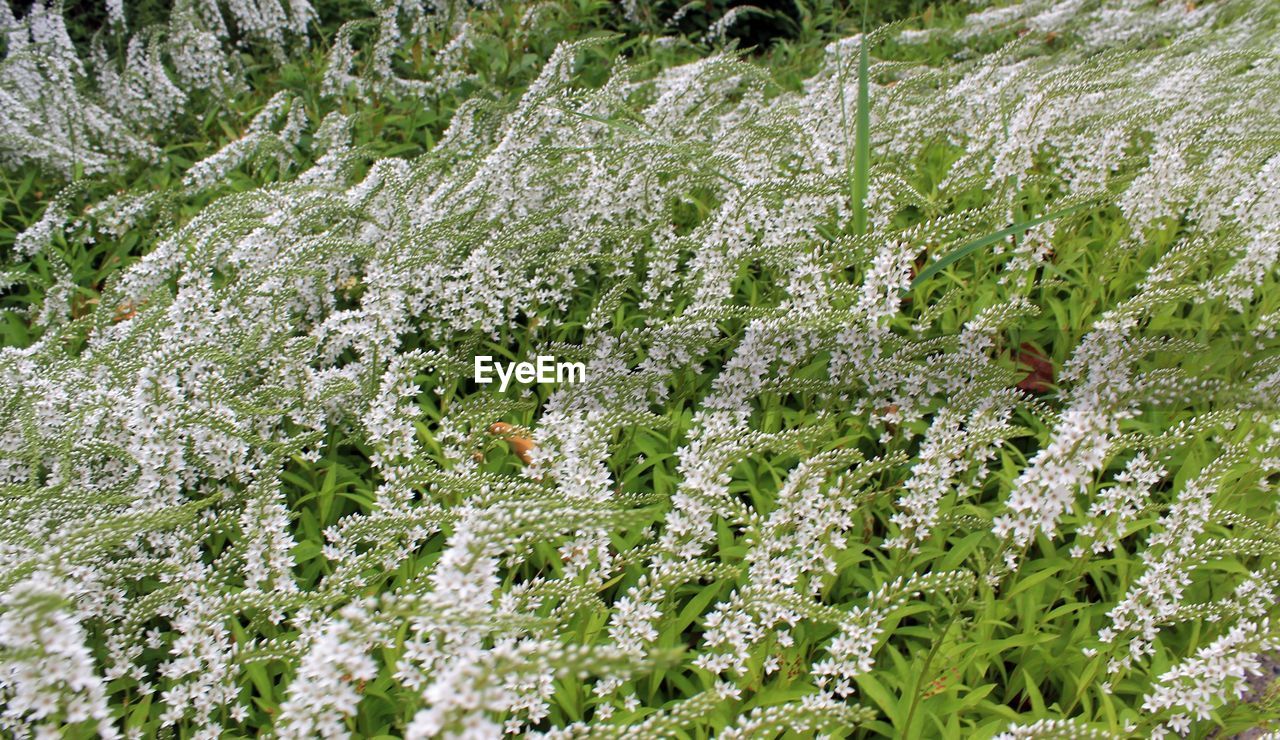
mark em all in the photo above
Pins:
pixel 306 550
pixel 1033 693
pixel 874 690
pixel 695 607
pixel 327 489
pixel 973 697
pixel 138 716
pixel 964 251
pixel 1036 578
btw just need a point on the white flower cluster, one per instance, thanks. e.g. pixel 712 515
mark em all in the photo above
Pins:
pixel 1202 683
pixel 47 675
pixel 147 449
pixel 63 107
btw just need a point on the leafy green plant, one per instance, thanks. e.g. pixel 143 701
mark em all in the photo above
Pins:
pixel 958 421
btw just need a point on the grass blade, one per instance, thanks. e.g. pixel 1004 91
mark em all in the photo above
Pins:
pixel 982 242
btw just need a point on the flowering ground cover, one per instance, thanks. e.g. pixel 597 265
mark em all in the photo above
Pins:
pixel 930 375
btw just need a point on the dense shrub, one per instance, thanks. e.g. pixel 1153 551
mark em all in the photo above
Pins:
pixel 925 400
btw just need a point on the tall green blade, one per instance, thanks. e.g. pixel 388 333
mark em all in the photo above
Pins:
pixel 862 143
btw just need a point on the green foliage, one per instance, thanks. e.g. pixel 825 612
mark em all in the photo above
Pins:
pixel 973 632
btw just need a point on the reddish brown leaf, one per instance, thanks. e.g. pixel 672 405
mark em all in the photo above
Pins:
pixel 1040 379
pixel 127 310
pixel 520 444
